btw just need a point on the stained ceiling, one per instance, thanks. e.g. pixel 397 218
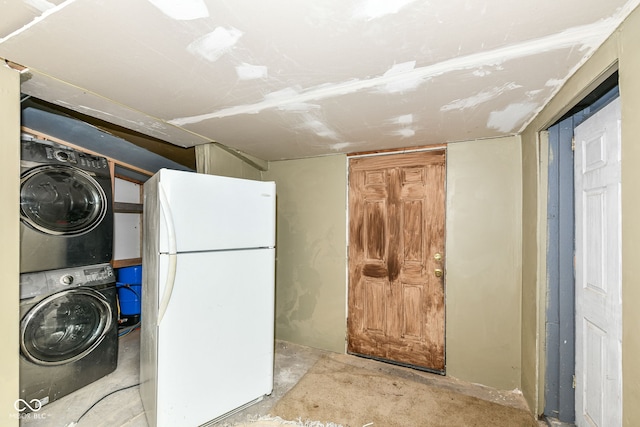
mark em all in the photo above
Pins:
pixel 286 79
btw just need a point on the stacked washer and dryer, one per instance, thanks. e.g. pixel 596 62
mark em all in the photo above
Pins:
pixel 68 308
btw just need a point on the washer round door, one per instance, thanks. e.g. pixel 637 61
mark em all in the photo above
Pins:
pixel 61 200
pixel 65 326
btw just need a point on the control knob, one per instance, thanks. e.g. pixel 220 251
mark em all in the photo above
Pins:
pixel 63 156
pixel 66 279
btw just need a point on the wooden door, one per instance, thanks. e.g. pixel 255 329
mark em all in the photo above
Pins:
pixel 396 258
pixel 598 270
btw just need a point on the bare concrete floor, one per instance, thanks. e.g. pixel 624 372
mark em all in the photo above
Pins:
pixel 124 408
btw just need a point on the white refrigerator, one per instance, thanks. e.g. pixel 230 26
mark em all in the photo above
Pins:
pixel 207 336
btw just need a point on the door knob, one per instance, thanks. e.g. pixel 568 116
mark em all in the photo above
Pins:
pixel 438 272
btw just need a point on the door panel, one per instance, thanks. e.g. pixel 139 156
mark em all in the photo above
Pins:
pixel 598 270
pixel 396 301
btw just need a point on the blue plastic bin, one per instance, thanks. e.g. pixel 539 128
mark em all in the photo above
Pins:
pixel 129 284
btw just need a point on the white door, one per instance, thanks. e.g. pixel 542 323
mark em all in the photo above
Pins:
pixel 598 270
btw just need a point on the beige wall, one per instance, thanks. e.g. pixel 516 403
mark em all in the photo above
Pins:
pixel 211 159
pixel 532 252
pixel 623 46
pixel 9 230
pixel 311 251
pixel 483 281
pixel 630 92
pixel 483 258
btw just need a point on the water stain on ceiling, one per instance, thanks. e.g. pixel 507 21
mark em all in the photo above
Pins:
pixel 282 79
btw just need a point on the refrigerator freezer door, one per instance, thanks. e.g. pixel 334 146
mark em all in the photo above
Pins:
pixel 215 343
pixel 216 213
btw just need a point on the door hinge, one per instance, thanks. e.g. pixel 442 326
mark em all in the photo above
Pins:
pixel 574 382
pixel 573 143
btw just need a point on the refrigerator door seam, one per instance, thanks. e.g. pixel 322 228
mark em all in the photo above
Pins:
pixel 256 248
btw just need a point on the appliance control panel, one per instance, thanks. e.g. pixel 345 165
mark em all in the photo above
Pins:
pixel 48 282
pixel 40 152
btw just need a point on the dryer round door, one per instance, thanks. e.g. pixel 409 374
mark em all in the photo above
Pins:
pixel 65 326
pixel 61 200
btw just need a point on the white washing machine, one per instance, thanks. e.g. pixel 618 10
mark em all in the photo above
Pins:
pixel 68 331
pixel 66 213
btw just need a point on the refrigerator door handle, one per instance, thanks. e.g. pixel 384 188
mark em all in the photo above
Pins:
pixel 173 253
